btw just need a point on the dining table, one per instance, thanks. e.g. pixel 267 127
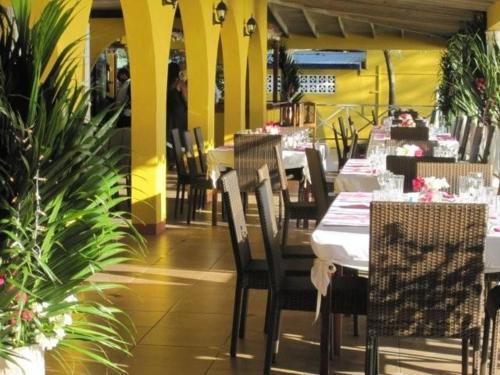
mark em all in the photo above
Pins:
pixel 342 238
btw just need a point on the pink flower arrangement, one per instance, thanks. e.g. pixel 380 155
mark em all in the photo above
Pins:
pixel 406 120
pixel 480 84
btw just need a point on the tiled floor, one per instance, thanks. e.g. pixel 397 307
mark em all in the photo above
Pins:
pixel 180 300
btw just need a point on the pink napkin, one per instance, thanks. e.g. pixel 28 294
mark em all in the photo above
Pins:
pixel 444 137
pixel 496 229
pixel 355 205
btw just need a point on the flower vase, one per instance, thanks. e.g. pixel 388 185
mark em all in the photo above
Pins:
pixel 29 360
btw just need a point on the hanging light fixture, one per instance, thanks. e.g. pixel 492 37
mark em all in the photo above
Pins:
pixel 220 13
pixel 169 2
pixel 251 26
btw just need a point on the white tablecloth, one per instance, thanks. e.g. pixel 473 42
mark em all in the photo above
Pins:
pixel 348 245
pixel 356 175
pixel 223 157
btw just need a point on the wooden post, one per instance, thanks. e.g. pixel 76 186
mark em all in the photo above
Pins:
pixel 276 65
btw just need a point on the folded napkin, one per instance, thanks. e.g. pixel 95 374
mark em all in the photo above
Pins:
pixel 355 205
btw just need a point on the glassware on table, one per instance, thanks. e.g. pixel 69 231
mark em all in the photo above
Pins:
pixel 397 187
pixel 490 198
pixel 384 179
pixel 476 185
pixel 463 188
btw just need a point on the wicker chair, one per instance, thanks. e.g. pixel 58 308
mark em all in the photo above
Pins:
pixel 451 171
pixel 407 166
pixel 410 134
pixel 492 315
pixel 251 151
pixel 427 282
pixel 318 182
pixel 293 210
pixel 251 273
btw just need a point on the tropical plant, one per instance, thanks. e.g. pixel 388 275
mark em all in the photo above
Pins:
pixel 58 195
pixel 470 75
pixel 290 77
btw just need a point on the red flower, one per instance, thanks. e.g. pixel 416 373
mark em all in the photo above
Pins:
pixel 418 183
pixel 27 315
pixel 419 153
pixel 13 321
pixel 480 84
pixel 2 281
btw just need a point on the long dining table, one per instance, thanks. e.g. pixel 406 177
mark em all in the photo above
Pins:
pixel 342 239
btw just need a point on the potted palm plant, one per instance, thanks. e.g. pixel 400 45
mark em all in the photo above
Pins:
pixel 58 196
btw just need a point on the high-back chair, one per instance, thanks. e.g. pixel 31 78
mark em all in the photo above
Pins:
pixel 410 134
pixel 476 143
pixel 464 139
pixel 407 166
pixel 452 171
pixel 426 274
pixel 183 177
pixel 490 133
pixel 318 182
pixel 458 127
pixel 251 151
pixel 294 210
pixel 200 145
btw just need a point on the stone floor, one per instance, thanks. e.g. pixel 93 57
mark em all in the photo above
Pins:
pixel 180 299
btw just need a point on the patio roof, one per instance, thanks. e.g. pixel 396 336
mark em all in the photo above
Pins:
pixel 431 18
pixel 434 18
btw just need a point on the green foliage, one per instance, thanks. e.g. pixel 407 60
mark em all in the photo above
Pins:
pixel 59 184
pixel 290 79
pixel 470 75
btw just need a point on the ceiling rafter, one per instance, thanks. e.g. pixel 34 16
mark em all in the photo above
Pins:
pixel 374 33
pixel 310 22
pixel 281 23
pixel 341 26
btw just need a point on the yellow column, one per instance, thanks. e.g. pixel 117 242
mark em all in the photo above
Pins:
pixel 493 16
pixel 257 65
pixel 201 37
pixel 103 32
pixel 148 26
pixel 235 54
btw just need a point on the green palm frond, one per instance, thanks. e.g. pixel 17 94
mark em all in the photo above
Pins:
pixel 59 184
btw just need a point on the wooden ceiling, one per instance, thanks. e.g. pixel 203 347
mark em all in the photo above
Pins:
pixel 432 18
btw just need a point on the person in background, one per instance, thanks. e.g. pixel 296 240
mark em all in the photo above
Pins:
pixel 123 97
pixel 176 107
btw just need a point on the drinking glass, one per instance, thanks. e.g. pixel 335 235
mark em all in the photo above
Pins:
pixel 397 187
pixel 463 187
pixel 490 198
pixel 476 184
pixel 383 179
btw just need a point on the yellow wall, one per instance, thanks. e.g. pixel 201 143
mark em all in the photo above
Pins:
pixel 493 16
pixel 417 77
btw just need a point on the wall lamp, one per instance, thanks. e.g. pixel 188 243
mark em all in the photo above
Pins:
pixel 169 2
pixel 220 13
pixel 250 27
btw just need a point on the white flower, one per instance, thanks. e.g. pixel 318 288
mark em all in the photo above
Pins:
pixel 37 308
pixel 61 320
pixel 436 184
pixel 47 343
pixel 71 299
pixel 67 319
pixel 60 333
pixel 409 150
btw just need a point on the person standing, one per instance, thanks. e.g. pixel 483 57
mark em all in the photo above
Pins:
pixel 176 106
pixel 123 98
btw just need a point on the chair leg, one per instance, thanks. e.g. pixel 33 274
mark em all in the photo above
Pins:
pixel 332 338
pixel 486 338
pixel 284 234
pixel 376 357
pixel 476 353
pixel 270 336
pixel 244 309
pixel 465 355
pixel 277 330
pixel 177 196
pixel 190 204
pixel 182 198
pixel 494 344
pixel 370 356
pixel 194 203
pixel 355 325
pixel 236 319
pixel 268 312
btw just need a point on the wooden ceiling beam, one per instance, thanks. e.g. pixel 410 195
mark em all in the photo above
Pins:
pixel 440 9
pixel 279 20
pixel 341 26
pixel 374 33
pixel 310 23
